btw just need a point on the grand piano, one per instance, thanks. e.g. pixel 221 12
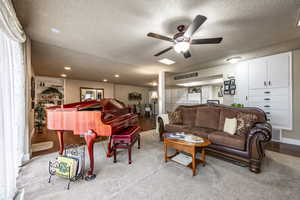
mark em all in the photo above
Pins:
pixel 91 119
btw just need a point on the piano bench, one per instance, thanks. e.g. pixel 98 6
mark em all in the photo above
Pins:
pixel 125 140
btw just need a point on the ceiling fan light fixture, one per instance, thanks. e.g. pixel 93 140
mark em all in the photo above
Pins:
pixel 181 47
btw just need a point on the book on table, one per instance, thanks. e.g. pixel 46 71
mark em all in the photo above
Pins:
pixel 185 137
pixel 182 159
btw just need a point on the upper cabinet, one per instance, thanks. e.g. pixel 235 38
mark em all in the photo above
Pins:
pixel 270 72
pixel 258 70
pixel 278 70
pixel 242 74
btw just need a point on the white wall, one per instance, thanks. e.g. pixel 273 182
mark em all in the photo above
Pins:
pixel 121 93
pixel 72 89
pixel 118 91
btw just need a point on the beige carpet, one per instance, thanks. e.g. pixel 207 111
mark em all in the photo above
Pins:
pixel 149 177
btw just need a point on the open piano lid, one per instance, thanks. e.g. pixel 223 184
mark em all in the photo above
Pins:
pixel 108 104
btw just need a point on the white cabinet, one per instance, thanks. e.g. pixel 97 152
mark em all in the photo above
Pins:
pixel 242 84
pixel 270 88
pixel 258 73
pixel 207 93
pixel 270 72
pixel 278 71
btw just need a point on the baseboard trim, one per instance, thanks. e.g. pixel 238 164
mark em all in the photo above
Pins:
pixel 290 141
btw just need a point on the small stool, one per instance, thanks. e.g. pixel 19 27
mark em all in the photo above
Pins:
pixel 125 140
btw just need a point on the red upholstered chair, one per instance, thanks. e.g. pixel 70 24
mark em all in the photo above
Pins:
pixel 125 140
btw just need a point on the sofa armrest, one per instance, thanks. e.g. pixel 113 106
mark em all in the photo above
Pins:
pixel 259 135
pixel 161 120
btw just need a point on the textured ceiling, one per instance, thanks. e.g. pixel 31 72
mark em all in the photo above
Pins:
pixel 99 38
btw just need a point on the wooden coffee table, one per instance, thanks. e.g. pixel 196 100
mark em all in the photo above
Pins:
pixel 187 147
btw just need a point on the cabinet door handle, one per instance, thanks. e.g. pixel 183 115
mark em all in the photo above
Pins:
pixel 269 82
pixel 268 113
pixel 246 98
pixel 267 106
pixel 265 83
pixel 267 92
pixel 267 99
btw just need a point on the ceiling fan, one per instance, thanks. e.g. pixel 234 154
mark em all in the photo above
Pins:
pixel 182 40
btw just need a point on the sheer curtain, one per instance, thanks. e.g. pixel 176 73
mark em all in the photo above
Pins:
pixel 12 99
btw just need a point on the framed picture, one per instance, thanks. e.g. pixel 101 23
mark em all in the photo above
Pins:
pixel 226 87
pixel 89 94
pixel 226 92
pixel 232 87
pixel 232 81
pixel 232 92
pixel 134 96
pixel 227 82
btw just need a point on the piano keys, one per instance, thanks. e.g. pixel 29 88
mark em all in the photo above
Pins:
pixel 90 119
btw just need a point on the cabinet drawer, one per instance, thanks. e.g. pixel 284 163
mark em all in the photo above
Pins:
pixel 268 99
pixel 269 92
pixel 270 105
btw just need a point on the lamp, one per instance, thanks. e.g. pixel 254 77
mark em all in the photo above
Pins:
pixel 181 47
pixel 154 97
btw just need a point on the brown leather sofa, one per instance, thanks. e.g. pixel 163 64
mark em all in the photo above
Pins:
pixel 207 120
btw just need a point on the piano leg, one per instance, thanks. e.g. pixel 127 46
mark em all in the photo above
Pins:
pixel 109 149
pixel 89 137
pixel 60 135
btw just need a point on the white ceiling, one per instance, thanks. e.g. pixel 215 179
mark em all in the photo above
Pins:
pixel 100 38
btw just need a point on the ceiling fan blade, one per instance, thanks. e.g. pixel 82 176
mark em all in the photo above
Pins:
pixel 163 51
pixel 198 21
pixel 207 41
pixel 161 37
pixel 187 54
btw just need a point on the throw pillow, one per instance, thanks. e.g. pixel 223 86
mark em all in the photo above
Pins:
pixel 230 126
pixel 175 117
pixel 245 122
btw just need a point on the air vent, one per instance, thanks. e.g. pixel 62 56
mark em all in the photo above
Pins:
pixel 185 76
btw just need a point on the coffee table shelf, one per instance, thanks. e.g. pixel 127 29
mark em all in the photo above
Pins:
pixel 187 147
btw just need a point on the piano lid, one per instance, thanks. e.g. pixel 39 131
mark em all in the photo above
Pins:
pixel 108 104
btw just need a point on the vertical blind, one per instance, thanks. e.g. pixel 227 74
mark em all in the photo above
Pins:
pixel 12 114
pixel 12 99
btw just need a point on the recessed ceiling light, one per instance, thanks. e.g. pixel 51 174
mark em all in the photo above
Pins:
pixel 117 75
pixel 233 60
pixel 67 68
pixel 63 75
pixel 55 30
pixel 166 61
pixel 154 84
pixel 105 80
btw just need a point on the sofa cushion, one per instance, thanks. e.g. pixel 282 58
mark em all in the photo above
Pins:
pixel 230 126
pixel 208 117
pixel 226 113
pixel 233 112
pixel 199 131
pixel 225 139
pixel 245 121
pixel 188 116
pixel 175 128
pixel 175 117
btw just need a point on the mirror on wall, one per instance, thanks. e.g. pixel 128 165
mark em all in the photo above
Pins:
pixel 88 94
